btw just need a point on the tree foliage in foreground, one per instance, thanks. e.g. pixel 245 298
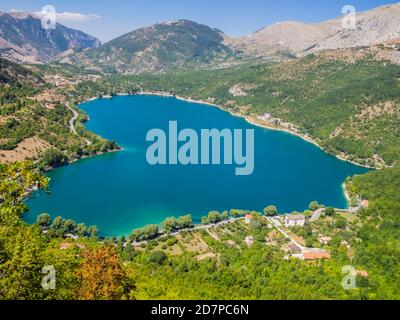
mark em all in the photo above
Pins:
pixel 25 251
pixel 102 276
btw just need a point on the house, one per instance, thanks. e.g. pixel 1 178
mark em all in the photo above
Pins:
pixel 249 218
pixel 312 255
pixel 363 204
pixel 295 220
pixel 249 241
pixel 325 240
pixel 318 255
pixel 362 273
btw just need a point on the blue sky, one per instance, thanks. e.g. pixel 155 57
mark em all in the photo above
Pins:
pixel 111 18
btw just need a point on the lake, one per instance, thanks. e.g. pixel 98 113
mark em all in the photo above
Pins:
pixel 120 191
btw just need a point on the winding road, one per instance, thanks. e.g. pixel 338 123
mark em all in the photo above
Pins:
pixel 75 116
pixel 73 119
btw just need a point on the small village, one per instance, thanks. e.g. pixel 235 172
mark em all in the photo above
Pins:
pixel 310 236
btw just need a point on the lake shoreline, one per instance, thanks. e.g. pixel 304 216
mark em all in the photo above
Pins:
pixel 252 119
pixel 189 111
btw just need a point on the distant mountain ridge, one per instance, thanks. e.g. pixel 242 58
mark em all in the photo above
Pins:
pixel 373 27
pixel 171 44
pixel 23 40
pixel 186 44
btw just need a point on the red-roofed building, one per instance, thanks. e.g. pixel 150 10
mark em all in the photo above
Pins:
pixel 317 255
pixel 249 218
pixel 362 273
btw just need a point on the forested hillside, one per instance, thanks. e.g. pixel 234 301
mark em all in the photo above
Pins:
pixel 35 120
pixel 168 45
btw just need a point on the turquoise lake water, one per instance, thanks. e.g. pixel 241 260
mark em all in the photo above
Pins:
pixel 120 191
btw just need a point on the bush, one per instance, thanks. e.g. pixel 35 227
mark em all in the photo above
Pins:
pixel 54 158
pixel 158 257
pixel 147 233
pixel 271 211
pixel 329 212
pixel 171 241
pixel 43 220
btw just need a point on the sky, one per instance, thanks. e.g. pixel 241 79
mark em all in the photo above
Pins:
pixel 107 19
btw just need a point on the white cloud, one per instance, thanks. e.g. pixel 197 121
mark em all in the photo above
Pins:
pixel 75 16
pixel 72 16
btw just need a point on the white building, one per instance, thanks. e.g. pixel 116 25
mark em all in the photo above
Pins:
pixel 325 240
pixel 295 220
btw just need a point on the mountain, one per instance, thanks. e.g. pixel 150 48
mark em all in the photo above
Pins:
pixel 187 44
pixel 285 36
pixel 166 45
pixel 375 26
pixel 22 39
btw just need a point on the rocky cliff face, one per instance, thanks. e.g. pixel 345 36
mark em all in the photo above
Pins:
pixel 22 39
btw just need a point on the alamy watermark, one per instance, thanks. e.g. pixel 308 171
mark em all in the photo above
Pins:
pixel 349 279
pixel 49 17
pixel 349 21
pixel 49 280
pixel 186 147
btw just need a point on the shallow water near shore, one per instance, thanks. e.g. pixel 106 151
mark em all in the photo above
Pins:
pixel 120 191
